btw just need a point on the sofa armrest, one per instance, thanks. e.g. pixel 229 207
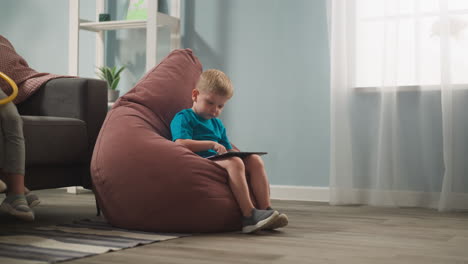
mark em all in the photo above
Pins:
pixel 81 98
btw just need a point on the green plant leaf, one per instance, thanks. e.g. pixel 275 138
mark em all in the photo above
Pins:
pixel 101 74
pixel 117 74
pixel 115 83
pixel 111 75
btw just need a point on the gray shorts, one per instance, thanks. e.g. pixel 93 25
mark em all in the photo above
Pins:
pixel 12 152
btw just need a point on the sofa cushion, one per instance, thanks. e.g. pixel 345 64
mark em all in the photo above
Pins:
pixel 64 140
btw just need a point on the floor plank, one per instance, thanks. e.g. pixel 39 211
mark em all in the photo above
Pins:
pixel 318 233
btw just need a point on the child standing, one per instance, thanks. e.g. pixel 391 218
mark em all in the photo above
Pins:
pixel 19 200
pixel 12 161
pixel 199 129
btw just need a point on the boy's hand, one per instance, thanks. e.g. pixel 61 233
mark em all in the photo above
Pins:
pixel 219 148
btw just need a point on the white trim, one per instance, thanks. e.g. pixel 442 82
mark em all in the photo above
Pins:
pixel 73 36
pixel 347 196
pixel 175 9
pixel 162 20
pixel 459 201
pixel 300 193
pixel 152 34
pixel 75 189
pixel 100 42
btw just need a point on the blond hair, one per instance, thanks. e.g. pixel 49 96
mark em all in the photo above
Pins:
pixel 215 81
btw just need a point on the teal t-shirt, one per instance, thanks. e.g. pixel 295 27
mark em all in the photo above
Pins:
pixel 188 125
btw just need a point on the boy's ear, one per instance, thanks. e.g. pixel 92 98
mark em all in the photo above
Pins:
pixel 195 94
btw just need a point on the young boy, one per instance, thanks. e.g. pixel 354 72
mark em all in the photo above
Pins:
pixel 199 129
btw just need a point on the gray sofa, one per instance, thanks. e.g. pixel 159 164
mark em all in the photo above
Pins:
pixel 61 123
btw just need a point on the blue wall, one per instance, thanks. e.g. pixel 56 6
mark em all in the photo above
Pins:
pixel 275 52
pixel 39 32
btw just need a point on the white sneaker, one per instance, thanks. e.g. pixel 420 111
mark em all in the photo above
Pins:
pixel 280 222
pixel 17 205
pixel 32 199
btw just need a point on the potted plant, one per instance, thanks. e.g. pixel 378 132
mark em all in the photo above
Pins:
pixel 112 76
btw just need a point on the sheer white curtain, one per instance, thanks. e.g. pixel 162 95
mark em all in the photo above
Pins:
pixel 399 103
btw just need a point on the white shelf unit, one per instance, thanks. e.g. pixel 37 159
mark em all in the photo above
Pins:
pixel 155 20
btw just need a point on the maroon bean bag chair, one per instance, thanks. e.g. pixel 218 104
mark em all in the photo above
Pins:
pixel 142 179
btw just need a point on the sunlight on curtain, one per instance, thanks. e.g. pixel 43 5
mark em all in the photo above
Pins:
pixel 407 35
pixel 399 103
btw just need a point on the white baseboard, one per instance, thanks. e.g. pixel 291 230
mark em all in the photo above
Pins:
pixel 394 198
pixel 300 193
pixel 455 201
pixel 75 189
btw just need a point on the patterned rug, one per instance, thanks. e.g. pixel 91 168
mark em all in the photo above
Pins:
pixel 79 239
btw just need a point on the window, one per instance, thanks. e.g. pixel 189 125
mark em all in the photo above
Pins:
pixel 400 41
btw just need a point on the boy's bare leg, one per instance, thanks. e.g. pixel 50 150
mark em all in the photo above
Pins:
pixel 238 183
pixel 261 189
pixel 258 180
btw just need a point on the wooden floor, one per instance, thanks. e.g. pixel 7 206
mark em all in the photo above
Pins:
pixel 318 233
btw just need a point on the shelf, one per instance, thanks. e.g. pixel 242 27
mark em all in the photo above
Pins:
pixel 161 20
pixel 155 19
pixel 111 25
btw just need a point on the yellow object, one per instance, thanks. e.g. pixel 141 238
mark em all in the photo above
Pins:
pixel 13 86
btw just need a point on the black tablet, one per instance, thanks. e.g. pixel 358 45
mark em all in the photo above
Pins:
pixel 239 154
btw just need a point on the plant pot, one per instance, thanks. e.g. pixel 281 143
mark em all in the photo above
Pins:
pixel 104 17
pixel 112 95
